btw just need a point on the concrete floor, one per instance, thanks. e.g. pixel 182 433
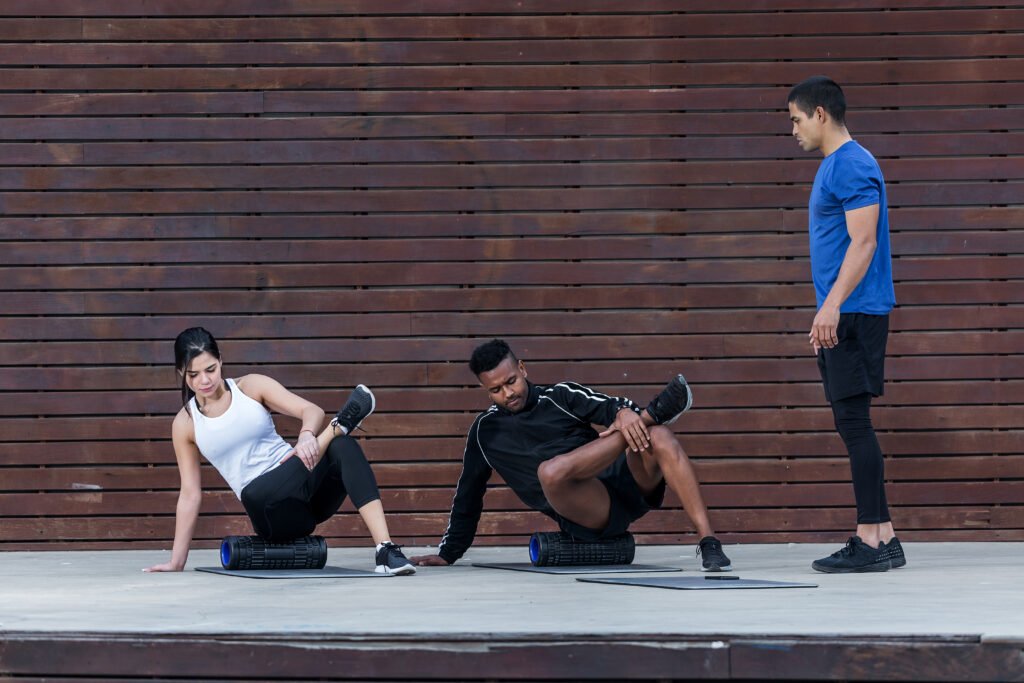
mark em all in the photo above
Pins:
pixel 946 589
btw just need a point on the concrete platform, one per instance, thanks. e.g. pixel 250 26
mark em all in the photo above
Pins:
pixel 956 612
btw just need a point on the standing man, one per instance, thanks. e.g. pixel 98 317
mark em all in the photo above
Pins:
pixel 539 438
pixel 852 272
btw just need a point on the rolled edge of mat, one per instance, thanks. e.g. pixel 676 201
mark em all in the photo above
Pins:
pixel 559 549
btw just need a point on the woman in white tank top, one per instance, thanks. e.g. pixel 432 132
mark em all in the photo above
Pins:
pixel 286 490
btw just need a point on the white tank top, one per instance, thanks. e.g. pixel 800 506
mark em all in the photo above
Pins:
pixel 242 443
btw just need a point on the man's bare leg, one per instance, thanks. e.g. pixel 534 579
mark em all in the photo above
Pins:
pixel 667 460
pixel 570 484
pixel 570 481
pixel 873 534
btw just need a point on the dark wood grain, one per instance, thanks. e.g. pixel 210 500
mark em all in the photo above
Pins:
pixel 360 193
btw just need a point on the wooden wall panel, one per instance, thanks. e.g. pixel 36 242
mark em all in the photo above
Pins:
pixel 362 191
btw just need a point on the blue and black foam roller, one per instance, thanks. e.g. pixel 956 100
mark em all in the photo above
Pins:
pixel 253 552
pixel 557 548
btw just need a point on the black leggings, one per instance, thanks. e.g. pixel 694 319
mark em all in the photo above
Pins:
pixel 853 420
pixel 289 501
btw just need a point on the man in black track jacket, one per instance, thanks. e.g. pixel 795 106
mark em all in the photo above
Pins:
pixel 540 440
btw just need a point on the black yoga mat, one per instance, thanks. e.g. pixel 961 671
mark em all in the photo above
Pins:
pixel 578 569
pixel 324 573
pixel 697 583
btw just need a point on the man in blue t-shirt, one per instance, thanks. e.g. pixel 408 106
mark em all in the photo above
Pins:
pixel 852 271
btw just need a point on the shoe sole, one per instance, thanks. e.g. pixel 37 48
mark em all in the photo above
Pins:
pixel 726 568
pixel 373 399
pixel 373 405
pixel 876 567
pixel 401 571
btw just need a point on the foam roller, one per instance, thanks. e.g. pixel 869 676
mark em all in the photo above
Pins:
pixel 557 548
pixel 253 552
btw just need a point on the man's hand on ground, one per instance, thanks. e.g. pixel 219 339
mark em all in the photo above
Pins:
pixel 428 561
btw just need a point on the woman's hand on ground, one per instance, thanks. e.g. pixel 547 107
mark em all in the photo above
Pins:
pixel 165 567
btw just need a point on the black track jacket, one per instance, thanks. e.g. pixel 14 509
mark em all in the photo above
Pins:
pixel 555 420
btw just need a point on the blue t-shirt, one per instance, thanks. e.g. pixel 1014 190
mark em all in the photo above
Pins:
pixel 848 179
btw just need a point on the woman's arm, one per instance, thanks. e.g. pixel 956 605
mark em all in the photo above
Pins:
pixel 189 497
pixel 274 396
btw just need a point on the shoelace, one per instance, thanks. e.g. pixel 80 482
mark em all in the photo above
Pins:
pixel 391 548
pixel 848 549
pixel 334 423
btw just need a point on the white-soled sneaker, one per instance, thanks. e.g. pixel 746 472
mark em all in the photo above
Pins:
pixel 391 560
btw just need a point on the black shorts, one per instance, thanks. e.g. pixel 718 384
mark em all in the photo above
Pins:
pixel 628 504
pixel 857 363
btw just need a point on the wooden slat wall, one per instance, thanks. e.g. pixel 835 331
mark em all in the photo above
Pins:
pixel 361 191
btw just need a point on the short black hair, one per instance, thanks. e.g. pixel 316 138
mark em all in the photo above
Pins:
pixel 489 355
pixel 820 91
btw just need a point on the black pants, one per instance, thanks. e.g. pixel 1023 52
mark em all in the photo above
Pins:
pixel 853 421
pixel 852 373
pixel 289 501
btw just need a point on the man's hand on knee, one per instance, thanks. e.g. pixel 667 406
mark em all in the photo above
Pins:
pixel 632 428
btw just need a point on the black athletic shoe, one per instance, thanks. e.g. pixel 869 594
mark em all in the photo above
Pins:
pixel 674 400
pixel 391 560
pixel 712 559
pixel 357 408
pixel 855 556
pixel 894 553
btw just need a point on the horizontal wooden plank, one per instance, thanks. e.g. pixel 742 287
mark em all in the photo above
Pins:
pixel 734 482
pixel 321 77
pixel 926 219
pixel 515 150
pixel 258 8
pixel 542 50
pixel 41 29
pixel 310 376
pixel 484 101
pixel 480 299
pixel 492 176
pixel 488 274
pixel 512 124
pixel 545 199
pixel 734 421
pixel 717 497
pixel 98 104
pixel 715 348
pixel 477 27
pixel 652 99
pixel 415 399
pixel 42 153
pixel 431 525
pixel 446 200
pixel 701 447
pixel 931 319
pixel 692 248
